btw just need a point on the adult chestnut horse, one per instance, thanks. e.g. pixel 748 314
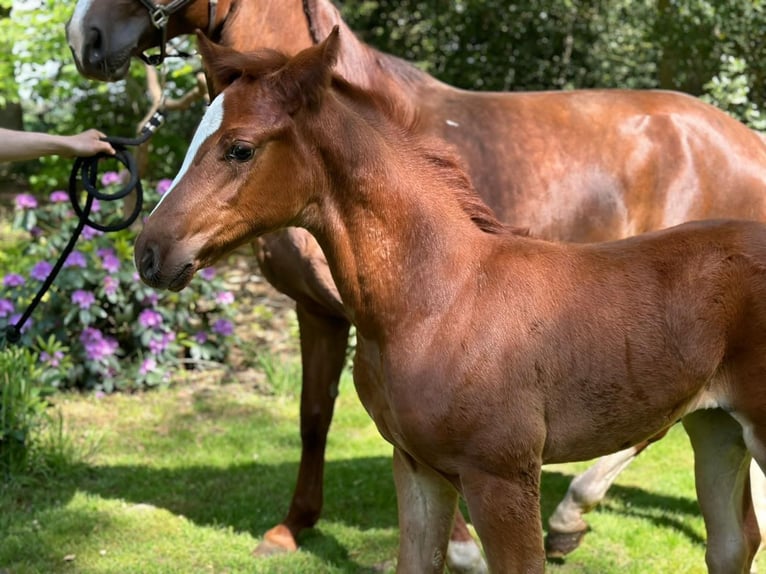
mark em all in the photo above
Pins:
pixel 579 166
pixel 481 353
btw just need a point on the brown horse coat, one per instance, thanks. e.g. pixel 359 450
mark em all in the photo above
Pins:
pixel 482 354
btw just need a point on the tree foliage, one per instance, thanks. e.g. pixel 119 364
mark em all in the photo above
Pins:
pixel 704 47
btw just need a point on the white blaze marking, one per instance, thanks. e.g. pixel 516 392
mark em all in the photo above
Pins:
pixel 210 123
pixel 77 27
pixel 452 123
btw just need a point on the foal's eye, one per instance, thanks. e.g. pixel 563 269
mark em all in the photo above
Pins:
pixel 241 152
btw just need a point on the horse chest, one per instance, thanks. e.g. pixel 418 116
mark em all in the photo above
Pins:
pixel 400 394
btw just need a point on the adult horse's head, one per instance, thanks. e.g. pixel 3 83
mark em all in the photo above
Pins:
pixel 104 34
pixel 248 171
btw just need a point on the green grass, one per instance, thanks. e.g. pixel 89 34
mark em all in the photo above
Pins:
pixel 186 479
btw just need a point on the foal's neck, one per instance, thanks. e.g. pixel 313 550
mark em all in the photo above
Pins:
pixel 396 235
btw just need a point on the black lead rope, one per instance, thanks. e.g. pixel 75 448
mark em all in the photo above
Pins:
pixel 86 169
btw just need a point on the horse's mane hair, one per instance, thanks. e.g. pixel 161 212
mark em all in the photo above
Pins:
pixel 437 153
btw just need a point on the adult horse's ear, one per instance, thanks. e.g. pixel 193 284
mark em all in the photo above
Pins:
pixel 222 64
pixel 307 76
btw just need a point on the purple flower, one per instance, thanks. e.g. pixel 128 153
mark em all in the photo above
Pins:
pixel 149 318
pixel 51 360
pixel 6 307
pixel 110 263
pixel 110 285
pixel 97 346
pixel 36 232
pixel 13 280
pixel 109 260
pixel 147 366
pixel 59 196
pixel 83 298
pixel 110 177
pixel 200 337
pixel 163 185
pixel 25 201
pixel 156 346
pixel 90 233
pixel 225 298
pixel 223 327
pixel 208 273
pixel 76 259
pixel 41 271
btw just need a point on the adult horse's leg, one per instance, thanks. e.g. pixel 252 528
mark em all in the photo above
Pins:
pixel 463 554
pixel 721 467
pixel 506 514
pixel 323 353
pixel 758 494
pixel 427 505
pixel 566 526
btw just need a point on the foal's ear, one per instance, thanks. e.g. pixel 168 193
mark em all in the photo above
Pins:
pixel 222 64
pixel 306 76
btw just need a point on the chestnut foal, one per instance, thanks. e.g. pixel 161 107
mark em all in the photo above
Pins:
pixel 481 354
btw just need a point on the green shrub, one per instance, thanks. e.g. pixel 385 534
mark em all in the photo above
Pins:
pixel 22 407
pixel 120 333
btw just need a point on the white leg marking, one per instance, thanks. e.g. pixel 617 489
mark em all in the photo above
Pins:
pixel 588 489
pixel 465 557
pixel 210 124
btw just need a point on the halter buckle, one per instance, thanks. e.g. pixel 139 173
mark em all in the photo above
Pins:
pixel 159 17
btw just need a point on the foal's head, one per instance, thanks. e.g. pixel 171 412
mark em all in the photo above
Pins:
pixel 248 171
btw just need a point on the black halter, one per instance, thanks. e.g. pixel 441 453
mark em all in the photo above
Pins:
pixel 161 13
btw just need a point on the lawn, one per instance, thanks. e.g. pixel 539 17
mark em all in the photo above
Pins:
pixel 186 479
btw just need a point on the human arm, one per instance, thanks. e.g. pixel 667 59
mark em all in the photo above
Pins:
pixel 20 145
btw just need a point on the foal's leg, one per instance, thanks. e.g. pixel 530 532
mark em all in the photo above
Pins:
pixel 323 352
pixel 427 504
pixel 506 514
pixel 721 466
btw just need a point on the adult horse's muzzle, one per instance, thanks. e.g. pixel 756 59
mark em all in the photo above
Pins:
pixel 97 59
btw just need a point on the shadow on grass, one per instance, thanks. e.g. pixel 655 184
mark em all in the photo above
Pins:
pixel 359 493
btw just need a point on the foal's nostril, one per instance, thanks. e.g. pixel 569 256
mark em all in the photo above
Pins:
pixel 149 264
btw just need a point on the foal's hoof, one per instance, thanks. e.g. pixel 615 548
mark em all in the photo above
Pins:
pixel 559 544
pixel 278 540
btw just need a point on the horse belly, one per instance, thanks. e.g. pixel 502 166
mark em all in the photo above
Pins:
pixel 585 430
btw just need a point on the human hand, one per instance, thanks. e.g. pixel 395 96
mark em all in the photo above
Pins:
pixel 87 143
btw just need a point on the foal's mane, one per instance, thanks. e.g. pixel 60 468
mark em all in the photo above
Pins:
pixel 439 156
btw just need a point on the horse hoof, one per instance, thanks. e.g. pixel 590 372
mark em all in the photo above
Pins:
pixel 278 540
pixel 465 558
pixel 559 544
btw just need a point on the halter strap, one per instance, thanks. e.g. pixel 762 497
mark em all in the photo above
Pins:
pixel 160 14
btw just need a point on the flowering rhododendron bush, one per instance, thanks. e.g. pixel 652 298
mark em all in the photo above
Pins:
pixel 99 327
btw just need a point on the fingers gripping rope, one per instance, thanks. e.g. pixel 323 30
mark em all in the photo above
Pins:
pixel 85 172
